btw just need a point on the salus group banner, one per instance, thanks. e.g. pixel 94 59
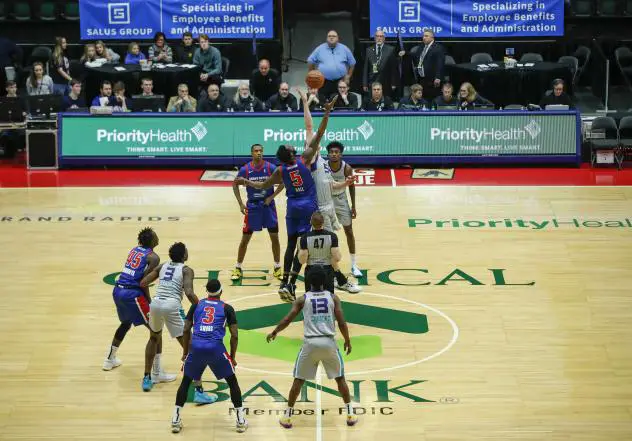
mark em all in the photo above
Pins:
pixel 141 19
pixel 468 18
pixel 409 137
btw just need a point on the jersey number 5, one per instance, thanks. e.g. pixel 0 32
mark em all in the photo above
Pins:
pixel 209 315
pixel 297 180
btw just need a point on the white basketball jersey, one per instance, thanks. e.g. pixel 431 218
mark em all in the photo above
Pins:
pixel 318 315
pixel 338 176
pixel 323 180
pixel 170 281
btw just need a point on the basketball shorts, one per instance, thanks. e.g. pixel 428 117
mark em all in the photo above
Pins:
pixel 260 216
pixel 131 305
pixel 343 210
pixel 203 354
pixel 329 214
pixel 298 216
pixel 167 312
pixel 317 350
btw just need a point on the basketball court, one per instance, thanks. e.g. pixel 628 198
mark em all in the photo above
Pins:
pixel 488 313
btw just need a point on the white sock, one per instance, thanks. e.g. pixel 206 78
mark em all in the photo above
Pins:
pixel 289 411
pixel 349 408
pixel 353 259
pixel 240 414
pixel 113 350
pixel 176 414
pixel 277 265
pixel 156 367
pixel 238 265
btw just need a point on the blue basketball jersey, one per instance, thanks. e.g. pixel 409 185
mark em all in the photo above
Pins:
pixel 260 174
pixel 210 319
pixel 134 268
pixel 298 180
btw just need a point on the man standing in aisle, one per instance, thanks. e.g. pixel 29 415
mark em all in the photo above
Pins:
pixel 428 62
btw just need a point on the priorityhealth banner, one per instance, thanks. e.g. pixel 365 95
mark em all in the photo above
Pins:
pixel 458 134
pixel 469 18
pixel 141 19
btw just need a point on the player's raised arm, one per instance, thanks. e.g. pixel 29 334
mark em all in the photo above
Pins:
pixel 151 277
pixel 312 147
pixel 274 179
pixel 297 307
pixel 307 118
pixel 187 284
pixel 342 323
pixel 349 174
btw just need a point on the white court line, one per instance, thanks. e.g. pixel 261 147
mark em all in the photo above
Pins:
pixel 393 180
pixel 319 417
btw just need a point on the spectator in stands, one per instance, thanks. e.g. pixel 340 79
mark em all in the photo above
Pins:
pixel 469 99
pixel 11 140
pixel 105 97
pixel 335 61
pixel 378 102
pixel 89 55
pixel 123 103
pixel 346 100
pixel 106 53
pixel 557 96
pixel 147 86
pixel 283 101
pixel 210 60
pixel 186 49
pixel 314 100
pixel 39 83
pixel 73 100
pixel 183 102
pixel 160 52
pixel 213 102
pixel 12 89
pixel 446 98
pixel 60 67
pixel 263 82
pixel 415 102
pixel 134 55
pixel 429 62
pixel 380 65
pixel 245 102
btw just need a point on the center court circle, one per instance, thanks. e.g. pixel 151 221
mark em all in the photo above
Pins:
pixel 455 336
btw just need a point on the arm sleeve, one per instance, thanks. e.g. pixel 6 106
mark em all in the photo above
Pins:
pixel 191 313
pixel 350 58
pixel 216 64
pixel 334 240
pixel 169 54
pixel 303 242
pixel 231 317
pixel 313 57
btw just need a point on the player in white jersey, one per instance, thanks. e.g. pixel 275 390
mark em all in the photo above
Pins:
pixel 320 310
pixel 340 171
pixel 174 277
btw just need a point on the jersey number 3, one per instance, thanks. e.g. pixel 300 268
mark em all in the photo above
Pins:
pixel 209 315
pixel 297 179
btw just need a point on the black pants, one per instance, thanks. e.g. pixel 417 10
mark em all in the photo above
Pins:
pixel 329 88
pixel 430 92
pixel 329 278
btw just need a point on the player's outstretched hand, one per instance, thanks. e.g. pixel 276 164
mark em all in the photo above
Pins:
pixel 330 105
pixel 354 213
pixel 301 94
pixel 234 362
pixel 347 347
pixel 349 180
pixel 243 209
pixel 271 336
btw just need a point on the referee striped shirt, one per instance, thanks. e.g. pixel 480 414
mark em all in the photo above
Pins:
pixel 318 244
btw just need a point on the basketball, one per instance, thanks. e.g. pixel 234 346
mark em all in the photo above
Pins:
pixel 315 79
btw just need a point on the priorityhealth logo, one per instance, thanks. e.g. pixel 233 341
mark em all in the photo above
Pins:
pixel 344 133
pixel 521 133
pixel 149 136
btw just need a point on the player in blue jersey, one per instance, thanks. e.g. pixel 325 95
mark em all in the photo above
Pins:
pixel 259 211
pixel 205 347
pixel 132 301
pixel 300 190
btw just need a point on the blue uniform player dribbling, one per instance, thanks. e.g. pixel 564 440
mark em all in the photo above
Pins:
pixel 295 174
pixel 132 301
pixel 205 347
pixel 259 211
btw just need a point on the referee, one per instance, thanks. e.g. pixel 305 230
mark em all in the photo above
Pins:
pixel 319 247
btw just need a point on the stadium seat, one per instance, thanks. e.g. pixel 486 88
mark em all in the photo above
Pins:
pixel 623 56
pixel 608 126
pixel 531 57
pixel 47 11
pixel 571 62
pixel 22 11
pixel 581 8
pixel 41 54
pixel 3 11
pixel 481 58
pixel 582 53
pixel 625 135
pixel 71 11
pixel 608 8
pixel 225 66
pixel 449 60
pixel 628 8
